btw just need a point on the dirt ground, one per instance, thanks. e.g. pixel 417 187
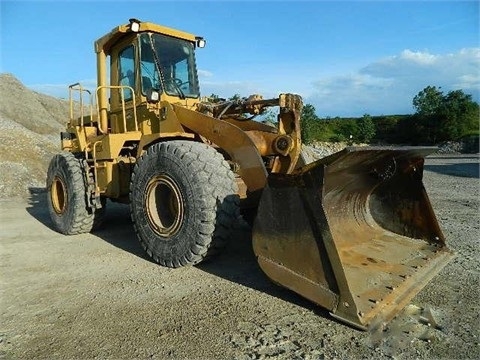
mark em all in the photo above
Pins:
pixel 97 296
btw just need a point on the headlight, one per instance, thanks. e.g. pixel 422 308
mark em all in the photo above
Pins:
pixel 153 96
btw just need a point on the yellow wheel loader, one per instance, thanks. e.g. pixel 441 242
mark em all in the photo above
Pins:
pixel 353 232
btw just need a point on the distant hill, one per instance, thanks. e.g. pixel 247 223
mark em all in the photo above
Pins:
pixel 30 124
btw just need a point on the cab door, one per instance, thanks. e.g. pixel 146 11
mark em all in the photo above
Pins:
pixel 125 91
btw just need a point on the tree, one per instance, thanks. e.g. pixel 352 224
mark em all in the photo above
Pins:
pixel 308 120
pixel 442 117
pixel 459 114
pixel 428 101
pixel 344 130
pixel 235 97
pixel 365 129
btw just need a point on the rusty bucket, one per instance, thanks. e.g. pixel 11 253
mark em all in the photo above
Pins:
pixel 353 232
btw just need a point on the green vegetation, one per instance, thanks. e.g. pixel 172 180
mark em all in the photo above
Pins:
pixel 366 129
pixel 438 118
pixel 442 117
pixel 336 129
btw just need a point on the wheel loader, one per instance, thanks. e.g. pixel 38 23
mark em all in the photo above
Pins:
pixel 353 232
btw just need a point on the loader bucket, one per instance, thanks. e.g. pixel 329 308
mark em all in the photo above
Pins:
pixel 353 232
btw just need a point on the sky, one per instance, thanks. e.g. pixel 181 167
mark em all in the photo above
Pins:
pixel 346 58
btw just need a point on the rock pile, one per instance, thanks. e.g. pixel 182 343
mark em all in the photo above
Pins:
pixel 450 147
pixel 30 124
pixel 319 150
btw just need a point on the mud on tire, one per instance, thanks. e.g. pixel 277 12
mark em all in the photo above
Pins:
pixel 184 201
pixel 67 196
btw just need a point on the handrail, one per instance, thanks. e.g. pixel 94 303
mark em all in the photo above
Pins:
pixel 78 87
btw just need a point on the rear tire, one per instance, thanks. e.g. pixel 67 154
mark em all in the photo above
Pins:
pixel 184 202
pixel 67 195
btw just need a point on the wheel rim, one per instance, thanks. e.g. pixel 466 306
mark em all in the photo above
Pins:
pixel 164 205
pixel 58 195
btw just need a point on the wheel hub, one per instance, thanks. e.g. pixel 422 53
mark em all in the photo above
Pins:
pixel 58 195
pixel 164 205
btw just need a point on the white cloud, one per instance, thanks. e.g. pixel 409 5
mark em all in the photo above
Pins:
pixel 418 57
pixel 388 85
pixel 204 73
pixel 469 81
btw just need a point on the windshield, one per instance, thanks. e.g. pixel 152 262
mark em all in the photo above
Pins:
pixel 176 65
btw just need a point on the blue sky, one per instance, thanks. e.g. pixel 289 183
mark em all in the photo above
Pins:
pixel 345 58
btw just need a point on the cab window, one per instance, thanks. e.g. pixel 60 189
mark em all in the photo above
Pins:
pixel 126 71
pixel 148 69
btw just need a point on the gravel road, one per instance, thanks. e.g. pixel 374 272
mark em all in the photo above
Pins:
pixel 98 296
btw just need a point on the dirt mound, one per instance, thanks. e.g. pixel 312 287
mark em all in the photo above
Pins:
pixel 30 124
pixel 37 112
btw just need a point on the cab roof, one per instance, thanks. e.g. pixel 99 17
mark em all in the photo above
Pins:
pixel 107 41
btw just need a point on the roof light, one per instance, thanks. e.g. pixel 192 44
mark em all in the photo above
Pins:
pixel 201 42
pixel 134 25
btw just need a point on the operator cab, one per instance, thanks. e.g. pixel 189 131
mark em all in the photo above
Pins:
pixel 148 64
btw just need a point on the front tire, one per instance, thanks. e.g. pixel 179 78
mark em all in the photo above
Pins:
pixel 67 195
pixel 184 202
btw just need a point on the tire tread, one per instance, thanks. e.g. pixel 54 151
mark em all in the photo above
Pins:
pixel 217 198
